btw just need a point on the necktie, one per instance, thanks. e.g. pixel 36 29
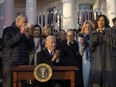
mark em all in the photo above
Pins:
pixel 51 54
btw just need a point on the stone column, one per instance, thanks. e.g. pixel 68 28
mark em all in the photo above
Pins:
pixel 46 18
pixel 111 10
pixel 31 11
pixel 41 20
pixel 68 14
pixel 96 8
pixel 8 12
pixel 2 17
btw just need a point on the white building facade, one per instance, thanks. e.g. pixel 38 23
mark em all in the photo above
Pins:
pixel 61 14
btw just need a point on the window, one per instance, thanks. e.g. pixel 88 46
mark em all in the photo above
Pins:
pixel 85 13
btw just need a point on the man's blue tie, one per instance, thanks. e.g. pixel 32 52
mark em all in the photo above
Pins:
pixel 51 54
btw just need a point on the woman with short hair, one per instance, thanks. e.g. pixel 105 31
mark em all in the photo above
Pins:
pixel 84 42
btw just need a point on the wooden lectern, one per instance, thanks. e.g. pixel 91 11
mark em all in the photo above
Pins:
pixel 59 72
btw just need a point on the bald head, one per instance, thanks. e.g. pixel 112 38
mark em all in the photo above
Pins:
pixel 50 43
pixel 50 37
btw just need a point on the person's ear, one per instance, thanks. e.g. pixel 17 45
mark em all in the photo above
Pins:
pixel 45 44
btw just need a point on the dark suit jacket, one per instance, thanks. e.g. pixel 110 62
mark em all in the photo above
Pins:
pixel 70 55
pixel 44 57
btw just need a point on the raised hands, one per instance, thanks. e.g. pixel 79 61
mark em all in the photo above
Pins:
pixel 56 55
pixel 24 30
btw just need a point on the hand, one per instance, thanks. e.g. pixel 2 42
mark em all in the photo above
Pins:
pixel 43 42
pixel 38 43
pixel 82 40
pixel 27 34
pixel 23 28
pixel 92 49
pixel 96 42
pixel 56 55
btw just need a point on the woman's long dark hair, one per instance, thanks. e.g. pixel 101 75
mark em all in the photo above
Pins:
pixel 105 18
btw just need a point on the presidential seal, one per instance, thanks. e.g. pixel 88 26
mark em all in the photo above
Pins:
pixel 43 72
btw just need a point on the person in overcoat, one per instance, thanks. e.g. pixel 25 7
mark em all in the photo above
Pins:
pixel 102 72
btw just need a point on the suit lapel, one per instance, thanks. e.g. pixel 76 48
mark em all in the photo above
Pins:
pixel 47 55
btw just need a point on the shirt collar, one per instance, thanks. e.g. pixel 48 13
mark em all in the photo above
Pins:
pixel 50 51
pixel 98 29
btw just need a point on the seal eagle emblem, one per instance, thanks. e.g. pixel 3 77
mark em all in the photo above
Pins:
pixel 43 72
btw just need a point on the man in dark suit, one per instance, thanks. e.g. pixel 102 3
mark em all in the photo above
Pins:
pixel 50 55
pixel 71 56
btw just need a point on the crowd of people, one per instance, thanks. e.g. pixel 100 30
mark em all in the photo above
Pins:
pixel 92 51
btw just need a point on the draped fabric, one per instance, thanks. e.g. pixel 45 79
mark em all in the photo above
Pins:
pixel 83 15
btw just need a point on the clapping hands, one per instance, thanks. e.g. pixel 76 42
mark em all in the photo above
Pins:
pixel 56 55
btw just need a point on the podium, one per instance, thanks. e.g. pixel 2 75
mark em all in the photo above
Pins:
pixel 59 73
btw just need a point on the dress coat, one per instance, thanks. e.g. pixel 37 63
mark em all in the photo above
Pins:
pixel 102 73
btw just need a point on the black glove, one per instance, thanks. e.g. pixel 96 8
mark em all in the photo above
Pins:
pixel 81 35
pixel 96 42
pixel 92 49
pixel 100 34
pixel 94 45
